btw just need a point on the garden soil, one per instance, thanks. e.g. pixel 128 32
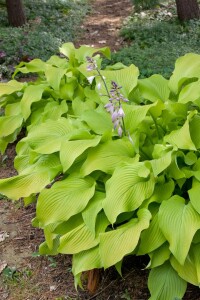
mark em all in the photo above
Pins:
pixel 24 275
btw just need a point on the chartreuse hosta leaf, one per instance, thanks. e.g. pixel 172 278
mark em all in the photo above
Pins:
pixel 86 260
pixel 194 195
pixel 107 156
pixel 190 93
pixel 80 106
pixel 70 150
pixel 10 87
pixel 47 137
pixel 91 211
pixel 34 66
pixel 164 283
pixel 154 88
pixel 160 164
pixel 54 76
pixel 181 138
pixel 9 124
pixel 97 120
pixel 24 185
pixel 32 178
pixel 159 256
pixel 179 223
pixel 182 72
pixel 194 130
pixel 32 93
pixel 115 244
pixel 81 238
pixel 151 238
pixel 65 199
pixel 190 270
pixel 80 54
pixel 135 114
pixel 126 77
pixel 129 186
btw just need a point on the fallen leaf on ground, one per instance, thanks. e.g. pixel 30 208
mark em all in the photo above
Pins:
pixel 3 235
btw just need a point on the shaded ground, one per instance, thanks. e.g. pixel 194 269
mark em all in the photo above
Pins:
pixel 102 25
pixel 24 274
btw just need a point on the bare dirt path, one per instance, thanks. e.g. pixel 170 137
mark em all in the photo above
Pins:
pixel 102 25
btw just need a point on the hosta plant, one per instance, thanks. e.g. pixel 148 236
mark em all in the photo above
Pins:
pixel 112 161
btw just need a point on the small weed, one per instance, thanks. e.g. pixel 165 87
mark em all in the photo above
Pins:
pixel 52 261
pixel 126 295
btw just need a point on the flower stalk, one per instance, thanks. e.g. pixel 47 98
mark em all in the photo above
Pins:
pixel 114 106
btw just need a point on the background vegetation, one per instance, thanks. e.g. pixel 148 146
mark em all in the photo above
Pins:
pixel 156 39
pixel 50 24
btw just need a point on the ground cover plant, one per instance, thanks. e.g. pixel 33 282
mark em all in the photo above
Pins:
pixel 49 25
pixel 112 161
pixel 156 39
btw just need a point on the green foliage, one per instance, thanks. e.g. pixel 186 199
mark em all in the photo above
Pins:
pixel 101 196
pixel 144 4
pixel 49 24
pixel 156 39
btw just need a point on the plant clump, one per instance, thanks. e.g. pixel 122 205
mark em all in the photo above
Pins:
pixel 102 193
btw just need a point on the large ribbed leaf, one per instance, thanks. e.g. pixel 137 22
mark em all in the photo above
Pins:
pixel 86 260
pixel 32 93
pixel 91 211
pixel 54 76
pixel 32 178
pixel 129 186
pixel 190 271
pixel 187 66
pixel 194 195
pixel 151 238
pixel 134 115
pixel 181 138
pixel 106 157
pixel 164 283
pixel 81 238
pixel 154 88
pixel 65 199
pixel 70 150
pixel 8 124
pixel 80 106
pixel 98 120
pixel 24 185
pixel 160 164
pixel 179 223
pixel 47 137
pixel 77 240
pixel 126 77
pixel 194 130
pixel 34 66
pixel 10 87
pixel 190 92
pixel 115 244
pixel 159 256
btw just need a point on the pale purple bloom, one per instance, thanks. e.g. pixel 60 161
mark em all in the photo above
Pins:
pixel 114 107
pixel 121 112
pixel 120 131
pixel 92 65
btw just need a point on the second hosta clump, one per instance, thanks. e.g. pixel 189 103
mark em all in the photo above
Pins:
pixel 110 185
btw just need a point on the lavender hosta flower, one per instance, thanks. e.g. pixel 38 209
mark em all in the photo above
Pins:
pixel 114 107
pixel 121 113
pixel 109 107
pixel 120 131
pixel 92 65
